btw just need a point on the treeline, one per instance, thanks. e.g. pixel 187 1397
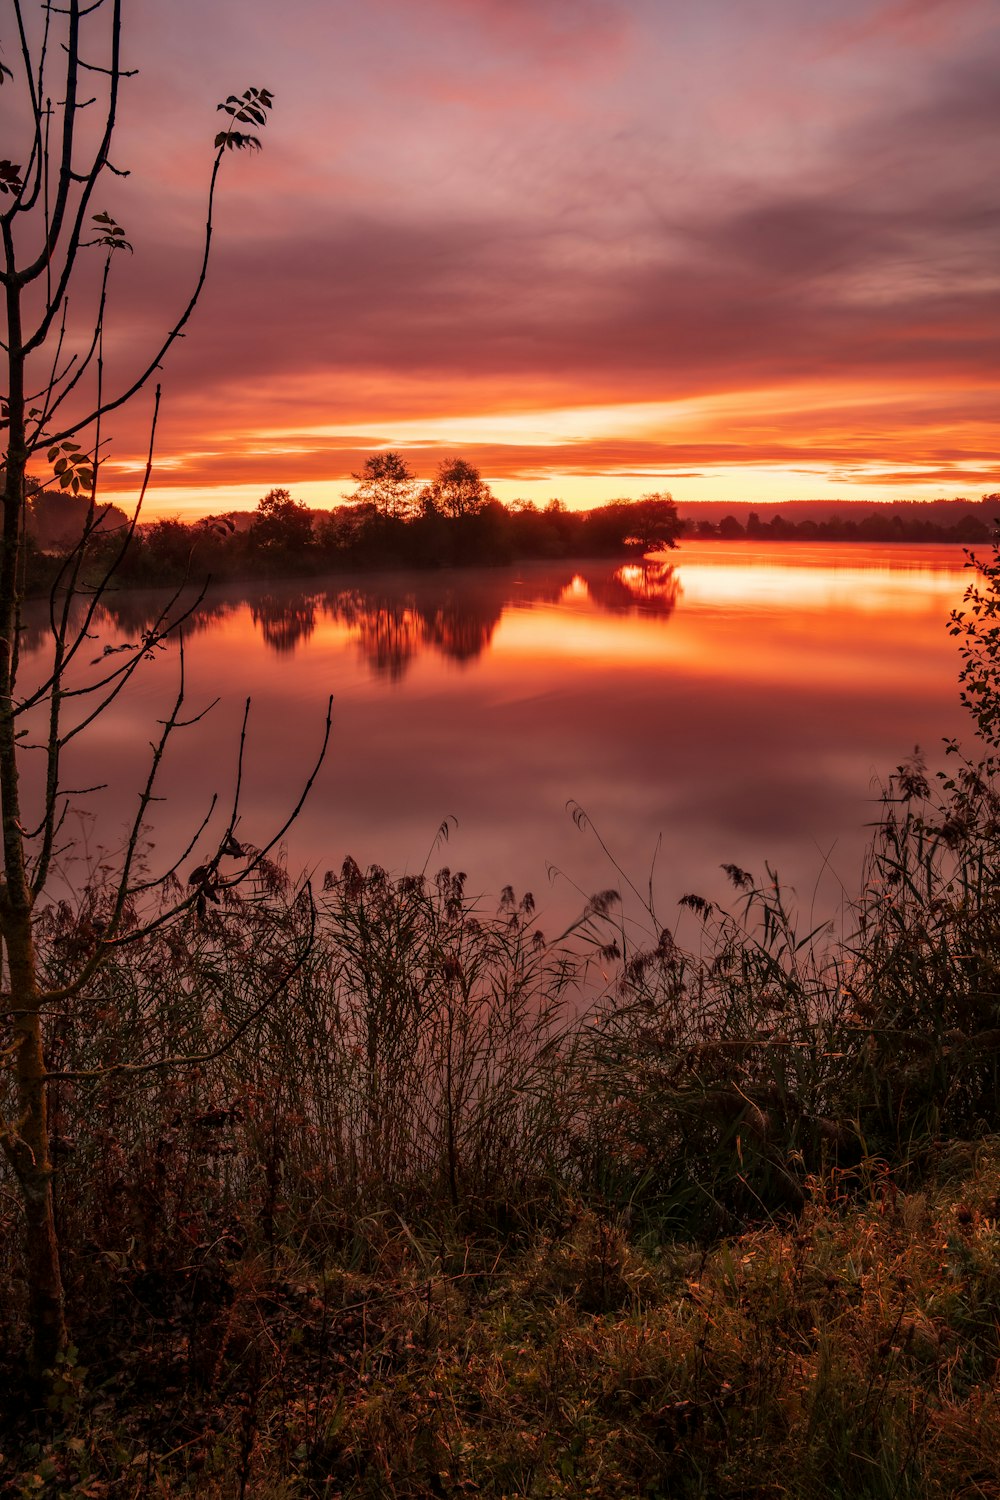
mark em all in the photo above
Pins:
pixel 955 521
pixel 387 521
pixel 391 520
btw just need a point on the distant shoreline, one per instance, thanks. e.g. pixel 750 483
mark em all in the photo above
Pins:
pixel 290 541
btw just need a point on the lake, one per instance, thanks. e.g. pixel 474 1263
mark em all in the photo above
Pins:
pixel 725 703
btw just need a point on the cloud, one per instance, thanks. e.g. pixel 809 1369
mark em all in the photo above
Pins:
pixel 920 23
pixel 492 205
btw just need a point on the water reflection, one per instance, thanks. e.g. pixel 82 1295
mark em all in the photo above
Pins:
pixel 393 619
pixel 648 588
pixel 391 625
pixel 285 624
pixel 736 702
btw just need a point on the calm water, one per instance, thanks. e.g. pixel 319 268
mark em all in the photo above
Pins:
pixel 727 704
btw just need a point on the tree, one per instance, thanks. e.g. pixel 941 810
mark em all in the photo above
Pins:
pixel 458 490
pixel 652 522
pixel 50 230
pixel 57 520
pixel 281 524
pixel 645 525
pixel 386 481
pixel 977 624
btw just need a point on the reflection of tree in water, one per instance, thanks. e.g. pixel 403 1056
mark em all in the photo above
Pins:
pixel 392 628
pixel 647 588
pixel 453 615
pixel 457 631
pixel 130 614
pixel 385 629
pixel 135 612
pixel 287 622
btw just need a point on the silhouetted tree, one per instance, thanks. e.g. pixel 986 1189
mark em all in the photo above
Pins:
pixel 386 482
pixel 645 525
pixel 458 490
pixel 347 531
pixel 281 525
pixel 57 521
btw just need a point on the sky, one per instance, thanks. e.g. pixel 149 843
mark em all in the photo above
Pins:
pixel 738 249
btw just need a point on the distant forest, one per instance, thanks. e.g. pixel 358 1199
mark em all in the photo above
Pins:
pixel 965 521
pixel 391 521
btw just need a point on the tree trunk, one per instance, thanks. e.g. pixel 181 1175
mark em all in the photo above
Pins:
pixel 27 1147
pixel 26 1136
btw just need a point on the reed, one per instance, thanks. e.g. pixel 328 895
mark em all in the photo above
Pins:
pixel 445 1208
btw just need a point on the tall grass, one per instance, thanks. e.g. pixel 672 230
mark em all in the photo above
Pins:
pixel 419 1054
pixel 663 1199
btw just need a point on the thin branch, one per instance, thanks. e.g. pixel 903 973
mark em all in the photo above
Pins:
pixel 76 557
pixel 160 880
pixel 96 68
pixel 66 175
pixel 53 405
pixel 25 200
pixel 174 334
pixel 262 854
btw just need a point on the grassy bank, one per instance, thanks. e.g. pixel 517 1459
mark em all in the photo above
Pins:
pixel 852 1352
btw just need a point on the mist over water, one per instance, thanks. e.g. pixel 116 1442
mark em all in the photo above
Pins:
pixel 720 704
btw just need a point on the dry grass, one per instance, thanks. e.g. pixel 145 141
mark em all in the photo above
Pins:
pixel 853 1352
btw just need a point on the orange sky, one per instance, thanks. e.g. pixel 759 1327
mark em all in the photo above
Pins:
pixel 598 247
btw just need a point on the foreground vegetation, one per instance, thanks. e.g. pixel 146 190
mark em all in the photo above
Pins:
pixel 368 1192
pixel 474 1212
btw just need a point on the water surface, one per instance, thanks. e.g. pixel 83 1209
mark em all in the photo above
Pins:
pixel 727 703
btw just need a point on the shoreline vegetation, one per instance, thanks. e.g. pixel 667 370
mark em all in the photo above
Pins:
pixel 454 522
pixel 417 1224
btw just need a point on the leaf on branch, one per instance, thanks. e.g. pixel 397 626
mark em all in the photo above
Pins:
pixel 110 234
pixel 75 470
pixel 10 176
pixel 234 140
pixel 205 878
pixel 248 108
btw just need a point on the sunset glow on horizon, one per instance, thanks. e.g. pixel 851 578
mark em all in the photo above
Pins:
pixel 599 248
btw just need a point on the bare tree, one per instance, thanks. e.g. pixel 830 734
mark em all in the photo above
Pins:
pixel 57 398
